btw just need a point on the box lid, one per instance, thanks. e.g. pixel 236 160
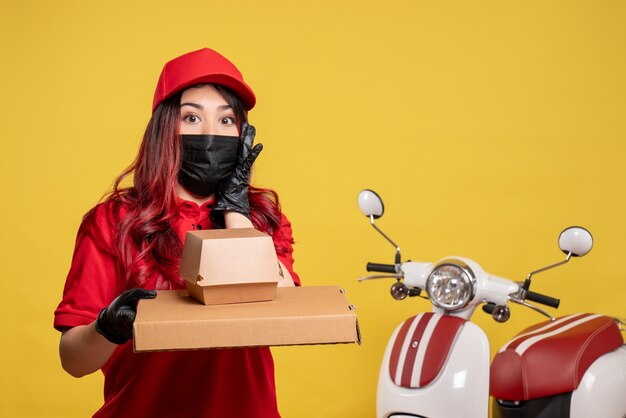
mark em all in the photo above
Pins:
pixel 227 256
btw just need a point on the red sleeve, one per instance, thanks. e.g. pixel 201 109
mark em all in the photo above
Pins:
pixel 283 241
pixel 91 283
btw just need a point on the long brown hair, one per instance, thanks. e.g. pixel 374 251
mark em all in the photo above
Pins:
pixel 144 239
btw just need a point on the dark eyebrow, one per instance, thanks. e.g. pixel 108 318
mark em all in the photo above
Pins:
pixel 200 107
pixel 196 105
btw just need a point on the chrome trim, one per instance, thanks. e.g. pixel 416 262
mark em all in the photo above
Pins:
pixel 466 269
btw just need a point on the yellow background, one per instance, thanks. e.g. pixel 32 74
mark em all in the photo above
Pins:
pixel 487 127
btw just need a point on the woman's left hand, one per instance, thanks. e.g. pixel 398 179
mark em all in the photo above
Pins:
pixel 232 194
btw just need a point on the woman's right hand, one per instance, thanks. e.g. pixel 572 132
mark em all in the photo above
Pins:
pixel 115 322
pixel 83 350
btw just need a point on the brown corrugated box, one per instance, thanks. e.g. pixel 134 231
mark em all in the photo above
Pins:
pixel 230 266
pixel 297 315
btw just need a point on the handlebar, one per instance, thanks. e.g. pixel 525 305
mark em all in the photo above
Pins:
pixel 529 295
pixel 543 299
pixel 382 268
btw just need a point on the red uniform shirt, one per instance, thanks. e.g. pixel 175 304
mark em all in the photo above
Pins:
pixel 236 382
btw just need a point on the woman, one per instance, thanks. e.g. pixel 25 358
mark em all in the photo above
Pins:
pixel 192 172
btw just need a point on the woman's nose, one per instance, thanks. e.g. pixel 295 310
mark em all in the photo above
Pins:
pixel 209 128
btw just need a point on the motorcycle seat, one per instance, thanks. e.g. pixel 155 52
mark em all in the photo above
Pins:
pixel 551 357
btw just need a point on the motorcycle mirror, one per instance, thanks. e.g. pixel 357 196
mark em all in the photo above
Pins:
pixel 370 204
pixel 576 241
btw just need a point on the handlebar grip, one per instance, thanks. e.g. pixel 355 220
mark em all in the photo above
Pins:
pixel 543 299
pixel 383 268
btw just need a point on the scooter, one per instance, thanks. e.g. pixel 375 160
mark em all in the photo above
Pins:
pixel 437 364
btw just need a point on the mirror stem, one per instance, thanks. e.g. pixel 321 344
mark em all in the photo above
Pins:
pixel 398 256
pixel 560 263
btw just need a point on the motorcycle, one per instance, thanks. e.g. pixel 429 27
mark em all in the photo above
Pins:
pixel 437 364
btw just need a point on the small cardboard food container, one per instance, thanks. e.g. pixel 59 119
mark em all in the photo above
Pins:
pixel 230 266
pixel 297 315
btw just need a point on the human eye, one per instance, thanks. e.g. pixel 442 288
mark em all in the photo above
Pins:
pixel 191 118
pixel 227 120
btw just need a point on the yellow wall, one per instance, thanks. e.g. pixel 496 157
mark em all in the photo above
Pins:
pixel 487 127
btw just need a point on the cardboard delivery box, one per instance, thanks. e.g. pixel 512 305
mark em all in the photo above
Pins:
pixel 230 266
pixel 297 315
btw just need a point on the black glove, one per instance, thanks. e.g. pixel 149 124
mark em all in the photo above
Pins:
pixel 115 322
pixel 232 194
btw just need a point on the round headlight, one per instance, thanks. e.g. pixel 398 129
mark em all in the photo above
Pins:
pixel 450 286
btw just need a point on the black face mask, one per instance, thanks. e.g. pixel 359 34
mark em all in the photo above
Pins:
pixel 205 161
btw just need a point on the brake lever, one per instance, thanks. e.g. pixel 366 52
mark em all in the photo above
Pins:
pixel 379 276
pixel 533 307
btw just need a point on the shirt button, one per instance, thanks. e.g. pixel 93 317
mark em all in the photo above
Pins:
pixel 198 226
pixel 187 205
